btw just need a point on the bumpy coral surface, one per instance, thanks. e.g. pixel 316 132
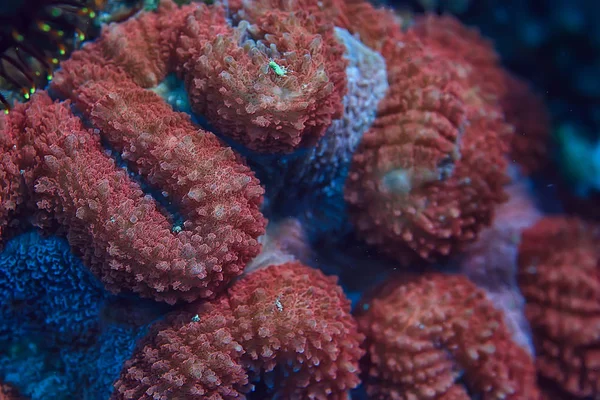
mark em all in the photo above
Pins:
pixel 50 293
pixel 480 65
pixel 275 321
pixel 275 85
pixel 438 337
pixel 428 174
pixel 11 191
pixel 351 123
pixel 559 275
pixel 118 230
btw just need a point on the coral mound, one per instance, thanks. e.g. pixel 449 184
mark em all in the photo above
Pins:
pixel 272 86
pixel 438 337
pixel 480 64
pixel 287 321
pixel 559 276
pixel 427 175
pixel 120 232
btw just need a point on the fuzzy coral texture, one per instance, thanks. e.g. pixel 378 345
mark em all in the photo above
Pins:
pixel 275 320
pixel 559 275
pixel 390 124
pixel 480 64
pixel 112 224
pixel 438 337
pixel 427 175
pixel 11 190
pixel 8 392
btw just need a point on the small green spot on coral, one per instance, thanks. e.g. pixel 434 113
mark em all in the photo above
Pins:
pixel 278 69
pixel 150 5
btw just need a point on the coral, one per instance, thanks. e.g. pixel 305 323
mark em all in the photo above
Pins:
pixel 352 124
pixel 61 335
pixel 559 275
pixel 478 61
pixel 240 92
pixel 438 337
pixel 428 174
pixel 310 184
pixel 44 289
pixel 105 356
pixel 11 190
pixel 491 262
pixel 34 36
pixel 118 230
pixel 8 392
pixel 286 320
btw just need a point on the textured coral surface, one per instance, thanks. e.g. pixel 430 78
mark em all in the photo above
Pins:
pixel 117 229
pixel 277 320
pixel 378 146
pixel 427 175
pixel 559 275
pixel 438 337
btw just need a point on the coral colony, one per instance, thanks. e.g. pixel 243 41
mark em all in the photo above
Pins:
pixel 328 156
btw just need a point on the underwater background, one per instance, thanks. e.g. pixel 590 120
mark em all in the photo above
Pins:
pixel 299 199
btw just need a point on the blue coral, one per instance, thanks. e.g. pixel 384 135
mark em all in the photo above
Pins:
pixel 62 335
pixel 46 289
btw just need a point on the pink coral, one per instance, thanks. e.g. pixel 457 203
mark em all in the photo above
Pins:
pixel 427 176
pixel 559 275
pixel 287 319
pixel 438 337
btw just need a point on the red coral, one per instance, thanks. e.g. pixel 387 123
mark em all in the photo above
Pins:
pixel 141 48
pixel 8 392
pixel 559 275
pixel 480 64
pixel 287 319
pixel 187 358
pixel 374 26
pixel 438 337
pixel 11 190
pixel 237 89
pixel 121 235
pixel 234 86
pixel 428 174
